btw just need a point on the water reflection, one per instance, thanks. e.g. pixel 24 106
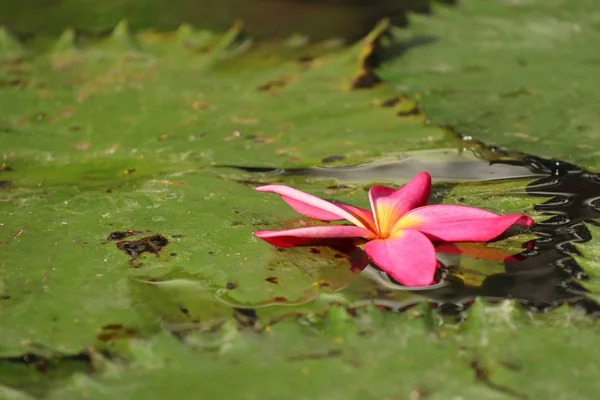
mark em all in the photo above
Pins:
pixel 451 164
pixel 544 275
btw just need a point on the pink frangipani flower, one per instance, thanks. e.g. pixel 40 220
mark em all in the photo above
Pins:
pixel 399 230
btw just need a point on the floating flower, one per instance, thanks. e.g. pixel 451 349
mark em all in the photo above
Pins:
pixel 399 230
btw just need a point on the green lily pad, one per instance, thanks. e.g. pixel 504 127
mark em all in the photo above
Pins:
pixel 512 73
pixel 129 268
pixel 363 357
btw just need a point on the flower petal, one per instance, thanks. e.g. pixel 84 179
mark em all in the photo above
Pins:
pixel 364 216
pixel 311 206
pixel 295 237
pixel 389 205
pixel 459 223
pixel 409 258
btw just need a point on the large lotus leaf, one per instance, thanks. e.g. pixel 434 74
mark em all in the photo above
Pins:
pixel 110 217
pixel 514 73
pixel 589 254
pixel 127 247
pixel 87 251
pixel 372 355
pixel 170 103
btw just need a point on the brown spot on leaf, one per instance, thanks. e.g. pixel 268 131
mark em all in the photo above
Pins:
pixel 118 235
pixel 305 61
pixel 5 167
pixel 331 159
pixel 112 326
pixel 280 299
pixel 129 171
pixel 5 185
pixel 184 311
pixel 390 102
pixel 231 285
pixel 260 223
pixel 158 240
pixel 367 79
pixel 412 112
pixel 272 279
pixel 370 57
pixel 116 331
pixel 15 83
pixel 481 373
pixel 16 235
pixel 246 317
pixel 150 244
pixel 510 365
pixel 340 187
pixel 315 250
pixel 41 366
pixel 236 223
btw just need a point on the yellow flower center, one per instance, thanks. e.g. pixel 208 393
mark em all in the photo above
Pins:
pixel 390 224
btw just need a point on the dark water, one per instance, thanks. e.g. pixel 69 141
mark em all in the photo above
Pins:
pixel 544 275
pixel 319 20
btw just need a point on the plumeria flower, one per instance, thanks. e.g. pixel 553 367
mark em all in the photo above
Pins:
pixel 399 229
